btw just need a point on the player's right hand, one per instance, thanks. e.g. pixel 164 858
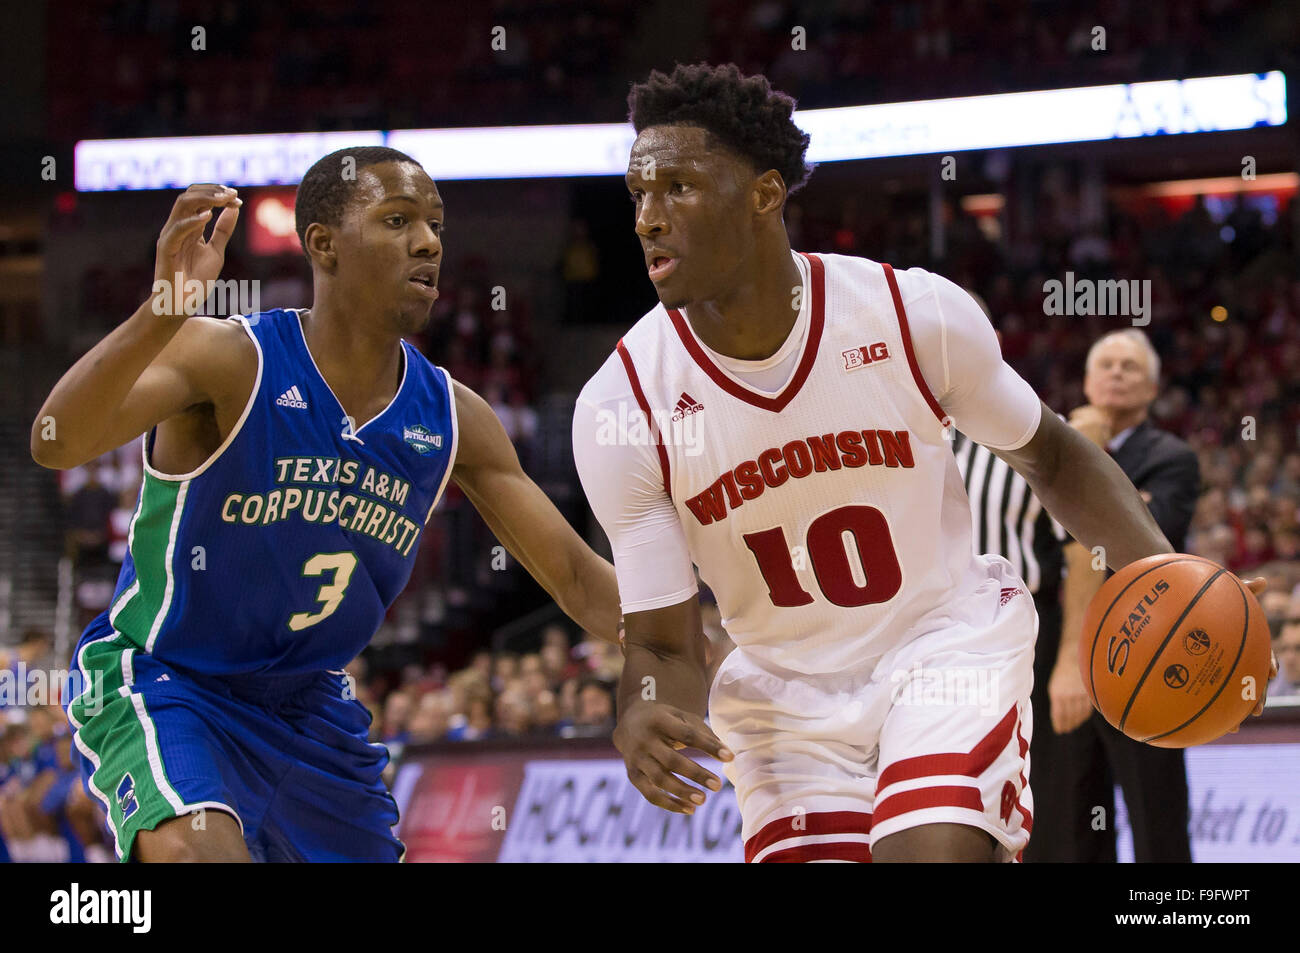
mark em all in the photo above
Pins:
pixel 183 254
pixel 649 736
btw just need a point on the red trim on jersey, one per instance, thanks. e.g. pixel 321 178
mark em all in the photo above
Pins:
pixel 804 853
pixel 904 802
pixel 971 765
pixel 822 822
pixel 817 320
pixel 645 409
pixel 907 345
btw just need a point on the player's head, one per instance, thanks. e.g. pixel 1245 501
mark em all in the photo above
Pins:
pixel 1122 371
pixel 370 222
pixel 716 155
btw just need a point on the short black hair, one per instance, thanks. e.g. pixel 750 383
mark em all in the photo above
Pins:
pixel 324 191
pixel 744 113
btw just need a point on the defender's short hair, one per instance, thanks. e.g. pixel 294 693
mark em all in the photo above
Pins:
pixel 324 191
pixel 744 113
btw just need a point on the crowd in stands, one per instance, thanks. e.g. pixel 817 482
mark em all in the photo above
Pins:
pixel 46 816
pixel 555 691
pixel 869 51
pixel 337 64
pixel 350 64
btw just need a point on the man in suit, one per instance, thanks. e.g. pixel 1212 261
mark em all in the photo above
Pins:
pixel 1120 381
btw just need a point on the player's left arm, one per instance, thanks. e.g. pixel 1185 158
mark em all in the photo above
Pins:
pixel 1076 481
pixel 527 523
pixel 1086 491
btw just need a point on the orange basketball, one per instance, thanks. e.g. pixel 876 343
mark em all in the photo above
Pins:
pixel 1175 651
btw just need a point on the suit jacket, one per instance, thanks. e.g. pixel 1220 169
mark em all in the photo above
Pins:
pixel 1167 468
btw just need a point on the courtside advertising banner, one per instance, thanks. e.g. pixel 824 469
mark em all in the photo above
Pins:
pixel 537 807
pixel 547 806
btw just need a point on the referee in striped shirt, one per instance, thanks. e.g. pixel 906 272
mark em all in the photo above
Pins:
pixel 1008 520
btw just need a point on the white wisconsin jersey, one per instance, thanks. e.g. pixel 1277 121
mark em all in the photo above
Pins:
pixel 829 519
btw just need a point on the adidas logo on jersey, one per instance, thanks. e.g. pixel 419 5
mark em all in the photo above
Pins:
pixel 868 354
pixel 686 405
pixel 292 398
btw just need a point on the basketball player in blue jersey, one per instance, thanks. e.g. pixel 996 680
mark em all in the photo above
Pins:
pixel 291 461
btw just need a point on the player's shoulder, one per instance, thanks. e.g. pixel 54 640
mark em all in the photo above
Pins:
pixel 913 283
pixel 647 331
pixel 223 346
pixel 227 331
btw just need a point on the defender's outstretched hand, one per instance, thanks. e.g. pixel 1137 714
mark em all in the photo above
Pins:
pixel 183 253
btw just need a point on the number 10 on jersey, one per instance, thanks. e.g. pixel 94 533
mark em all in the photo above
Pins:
pixel 829 538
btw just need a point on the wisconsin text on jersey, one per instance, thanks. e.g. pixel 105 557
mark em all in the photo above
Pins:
pixel 798 458
pixel 351 511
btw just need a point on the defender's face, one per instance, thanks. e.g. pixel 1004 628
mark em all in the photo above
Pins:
pixel 390 241
pixel 1119 376
pixel 690 213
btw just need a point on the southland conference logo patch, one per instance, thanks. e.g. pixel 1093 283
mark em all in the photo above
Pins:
pixel 421 439
pixel 126 802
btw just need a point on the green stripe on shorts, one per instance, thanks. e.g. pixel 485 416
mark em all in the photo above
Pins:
pixel 120 739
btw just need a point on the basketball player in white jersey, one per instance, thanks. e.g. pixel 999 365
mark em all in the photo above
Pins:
pixel 779 421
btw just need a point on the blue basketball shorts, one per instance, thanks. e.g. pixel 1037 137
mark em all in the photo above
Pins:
pixel 286 756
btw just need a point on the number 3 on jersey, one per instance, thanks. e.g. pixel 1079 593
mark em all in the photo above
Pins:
pixel 330 593
pixel 829 555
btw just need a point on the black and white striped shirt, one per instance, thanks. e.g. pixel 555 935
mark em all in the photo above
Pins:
pixel 1008 520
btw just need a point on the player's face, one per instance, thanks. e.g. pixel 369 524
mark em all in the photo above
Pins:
pixel 691 213
pixel 390 242
pixel 1119 376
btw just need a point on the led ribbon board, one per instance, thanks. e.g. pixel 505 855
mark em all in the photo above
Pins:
pixel 1041 117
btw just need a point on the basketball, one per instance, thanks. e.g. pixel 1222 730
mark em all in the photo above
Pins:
pixel 1175 651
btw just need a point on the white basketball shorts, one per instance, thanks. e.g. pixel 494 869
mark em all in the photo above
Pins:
pixel 936 731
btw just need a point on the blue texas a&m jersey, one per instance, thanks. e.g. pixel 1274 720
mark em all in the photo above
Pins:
pixel 281 554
